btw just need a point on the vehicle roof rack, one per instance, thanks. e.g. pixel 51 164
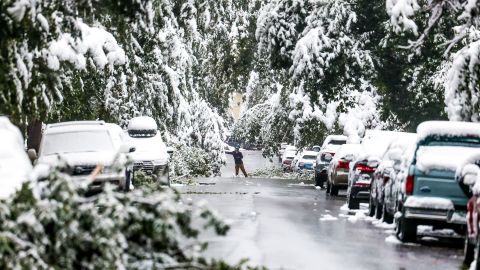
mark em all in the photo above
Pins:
pixel 76 123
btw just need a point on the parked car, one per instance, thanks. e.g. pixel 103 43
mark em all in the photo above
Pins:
pixel 334 140
pixel 467 175
pixel 329 147
pixel 281 150
pixel 374 144
pixel 151 155
pixel 86 146
pixel 306 161
pixel 288 157
pixel 339 168
pixel 381 187
pixel 429 194
pixel 15 166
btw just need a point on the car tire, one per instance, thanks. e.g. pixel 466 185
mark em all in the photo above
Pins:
pixel 379 211
pixel 387 218
pixel 406 230
pixel 333 190
pixel 468 251
pixel 352 203
pixel 371 207
pixel 328 187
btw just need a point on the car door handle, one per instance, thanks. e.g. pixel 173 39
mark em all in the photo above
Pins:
pixel 425 189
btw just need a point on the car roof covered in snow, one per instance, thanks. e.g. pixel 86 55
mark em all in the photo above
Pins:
pixel 333 138
pixel 309 153
pixel 142 123
pixel 75 126
pixel 447 128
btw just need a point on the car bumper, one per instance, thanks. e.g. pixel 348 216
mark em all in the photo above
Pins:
pixel 449 216
pixel 360 193
pixel 340 179
pixel 101 180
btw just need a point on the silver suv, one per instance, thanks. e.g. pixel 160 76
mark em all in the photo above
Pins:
pixel 90 150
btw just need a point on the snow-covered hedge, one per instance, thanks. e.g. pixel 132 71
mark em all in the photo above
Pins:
pixel 52 225
pixel 191 162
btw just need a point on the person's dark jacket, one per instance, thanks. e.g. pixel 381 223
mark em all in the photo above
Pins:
pixel 238 157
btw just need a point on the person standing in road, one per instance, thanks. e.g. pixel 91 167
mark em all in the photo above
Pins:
pixel 238 157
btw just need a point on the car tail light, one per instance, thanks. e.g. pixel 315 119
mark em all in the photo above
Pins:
pixel 409 185
pixel 364 168
pixel 342 164
pixel 361 185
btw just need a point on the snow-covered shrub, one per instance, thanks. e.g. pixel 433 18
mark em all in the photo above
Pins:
pixel 191 162
pixel 52 225
pixel 275 172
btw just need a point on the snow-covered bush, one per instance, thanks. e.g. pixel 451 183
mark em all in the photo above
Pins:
pixel 52 225
pixel 191 162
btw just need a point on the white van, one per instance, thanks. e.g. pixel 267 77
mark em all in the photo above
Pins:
pixel 151 155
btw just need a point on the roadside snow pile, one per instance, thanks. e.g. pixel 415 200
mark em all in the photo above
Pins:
pixel 392 239
pixel 429 203
pixel 328 217
pixel 447 158
pixel 14 163
pixel 142 123
pixel 447 128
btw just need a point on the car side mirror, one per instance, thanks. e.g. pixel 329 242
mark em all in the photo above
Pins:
pixel 126 148
pixel 328 157
pixel 170 150
pixel 469 174
pixel 32 154
pixel 348 158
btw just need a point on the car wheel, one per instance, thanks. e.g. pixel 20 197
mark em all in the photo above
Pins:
pixel 406 230
pixel 386 216
pixel 328 187
pixel 352 203
pixel 379 211
pixel 371 207
pixel 333 190
pixel 468 251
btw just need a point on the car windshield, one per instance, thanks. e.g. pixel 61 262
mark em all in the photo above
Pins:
pixel 309 157
pixel 147 144
pixel 75 142
pixel 337 142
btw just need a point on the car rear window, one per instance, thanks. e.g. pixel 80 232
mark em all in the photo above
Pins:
pixel 309 157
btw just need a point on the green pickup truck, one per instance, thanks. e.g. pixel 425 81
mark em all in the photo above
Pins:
pixel 428 192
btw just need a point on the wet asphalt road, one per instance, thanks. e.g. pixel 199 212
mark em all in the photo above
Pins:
pixel 283 224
